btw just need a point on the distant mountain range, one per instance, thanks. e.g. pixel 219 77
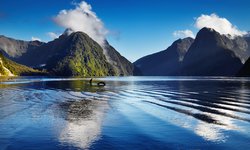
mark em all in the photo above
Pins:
pixel 165 63
pixel 16 48
pixel 210 54
pixel 76 54
pixel 69 55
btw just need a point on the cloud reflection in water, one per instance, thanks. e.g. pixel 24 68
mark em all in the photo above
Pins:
pixel 84 120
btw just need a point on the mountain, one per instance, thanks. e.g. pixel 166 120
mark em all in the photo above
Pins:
pixel 213 54
pixel 247 38
pixel 240 45
pixel 164 63
pixel 14 49
pixel 10 68
pixel 86 57
pixel 122 66
pixel 245 70
pixel 40 55
pixel 78 55
pixel 72 54
pixel 210 54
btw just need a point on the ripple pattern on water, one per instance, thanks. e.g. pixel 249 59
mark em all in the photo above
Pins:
pixel 74 111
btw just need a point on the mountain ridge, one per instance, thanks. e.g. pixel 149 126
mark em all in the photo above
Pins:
pixel 60 47
pixel 14 48
pixel 77 54
pixel 210 56
pixel 121 64
pixel 218 54
pixel 166 62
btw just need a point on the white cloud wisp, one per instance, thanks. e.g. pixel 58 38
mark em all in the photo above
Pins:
pixel 53 35
pixel 82 18
pixel 221 25
pixel 35 39
pixel 183 34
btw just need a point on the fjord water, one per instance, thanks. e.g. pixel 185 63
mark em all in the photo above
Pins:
pixel 128 113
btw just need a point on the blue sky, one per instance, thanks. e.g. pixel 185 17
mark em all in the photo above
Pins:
pixel 136 27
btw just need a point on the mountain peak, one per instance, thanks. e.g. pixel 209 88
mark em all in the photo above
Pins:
pixel 210 53
pixel 207 33
pixel 75 35
pixel 68 31
pixel 79 33
pixel 164 63
pixel 187 39
pixel 182 46
pixel 208 29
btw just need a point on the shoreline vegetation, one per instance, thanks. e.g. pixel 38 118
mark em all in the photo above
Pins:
pixel 9 68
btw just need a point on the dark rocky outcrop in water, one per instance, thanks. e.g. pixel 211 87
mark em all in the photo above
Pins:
pixel 164 63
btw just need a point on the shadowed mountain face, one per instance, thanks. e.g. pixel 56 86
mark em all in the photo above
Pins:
pixel 245 70
pixel 239 45
pixel 167 62
pixel 69 55
pixel 247 38
pixel 211 55
pixel 121 65
pixel 40 55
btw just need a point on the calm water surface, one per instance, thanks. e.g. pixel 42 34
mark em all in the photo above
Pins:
pixel 128 113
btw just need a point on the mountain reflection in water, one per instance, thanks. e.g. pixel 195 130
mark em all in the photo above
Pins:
pixel 128 113
pixel 84 119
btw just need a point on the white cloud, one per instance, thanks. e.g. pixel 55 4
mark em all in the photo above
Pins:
pixel 183 34
pixel 35 39
pixel 82 18
pixel 53 35
pixel 221 25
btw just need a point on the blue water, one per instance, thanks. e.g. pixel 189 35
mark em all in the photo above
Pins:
pixel 128 113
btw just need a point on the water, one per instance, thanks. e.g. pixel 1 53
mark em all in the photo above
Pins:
pixel 128 113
